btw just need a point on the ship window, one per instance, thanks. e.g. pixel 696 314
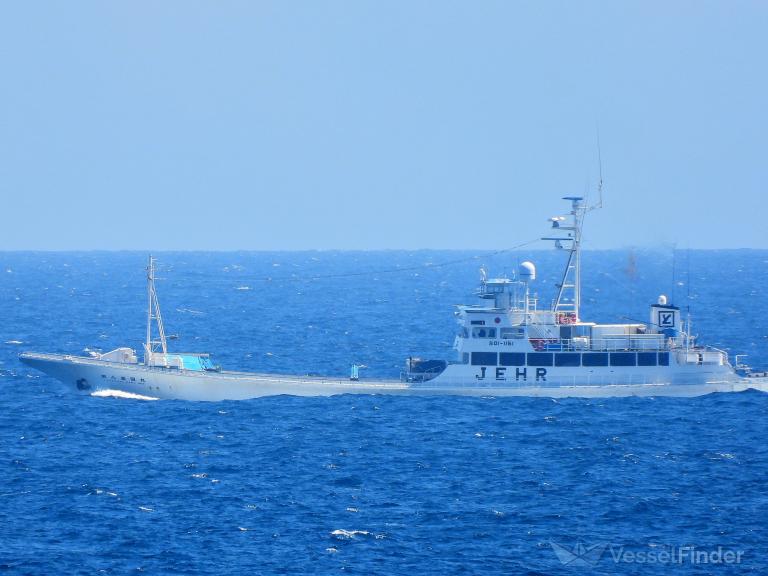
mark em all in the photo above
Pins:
pixel 623 359
pixel 540 359
pixel 103 375
pixel 663 358
pixel 512 333
pixel 512 359
pixel 478 322
pixel 565 332
pixel 566 359
pixel 483 358
pixel 594 359
pixel 465 358
pixel 483 332
pixel 646 358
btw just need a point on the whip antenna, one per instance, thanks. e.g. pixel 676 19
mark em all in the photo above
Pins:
pixel 599 203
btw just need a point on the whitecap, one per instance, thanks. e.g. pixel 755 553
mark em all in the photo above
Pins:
pixel 146 509
pixel 14 342
pixel 342 534
pixel 190 311
pixel 120 394
pixel 243 288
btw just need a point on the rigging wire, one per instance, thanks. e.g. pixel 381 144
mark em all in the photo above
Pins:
pixel 401 268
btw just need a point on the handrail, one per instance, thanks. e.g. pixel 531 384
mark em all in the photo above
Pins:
pixel 619 342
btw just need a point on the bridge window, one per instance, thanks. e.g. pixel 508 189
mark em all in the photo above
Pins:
pixel 594 359
pixel 483 332
pixel 566 359
pixel 663 358
pixel 540 359
pixel 646 358
pixel 484 358
pixel 512 333
pixel 512 359
pixel 623 359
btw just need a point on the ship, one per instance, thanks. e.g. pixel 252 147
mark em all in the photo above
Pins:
pixel 507 345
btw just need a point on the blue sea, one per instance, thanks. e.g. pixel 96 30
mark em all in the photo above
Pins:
pixel 370 484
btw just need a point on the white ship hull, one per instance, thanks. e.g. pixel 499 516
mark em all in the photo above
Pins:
pixel 89 376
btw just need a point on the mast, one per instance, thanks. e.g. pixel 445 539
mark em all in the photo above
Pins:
pixel 153 313
pixel 568 299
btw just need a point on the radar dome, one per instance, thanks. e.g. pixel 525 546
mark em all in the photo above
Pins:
pixel 527 271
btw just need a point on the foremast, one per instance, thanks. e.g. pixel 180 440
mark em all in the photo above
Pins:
pixel 153 345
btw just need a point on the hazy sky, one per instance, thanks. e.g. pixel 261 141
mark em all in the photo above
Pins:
pixel 391 124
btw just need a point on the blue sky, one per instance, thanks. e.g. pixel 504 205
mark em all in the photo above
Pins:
pixel 369 125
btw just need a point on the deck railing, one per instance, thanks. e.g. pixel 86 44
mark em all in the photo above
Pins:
pixel 633 343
